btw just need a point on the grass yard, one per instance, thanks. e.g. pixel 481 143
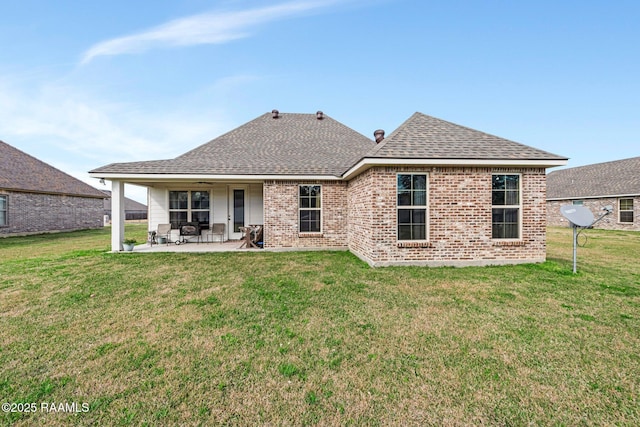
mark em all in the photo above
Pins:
pixel 316 338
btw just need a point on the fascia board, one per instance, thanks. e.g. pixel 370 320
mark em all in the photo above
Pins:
pixel 366 163
pixel 199 177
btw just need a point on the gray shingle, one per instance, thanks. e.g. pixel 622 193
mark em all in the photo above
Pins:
pixel 300 144
pixel 293 144
pixel 616 178
pixel 427 137
pixel 22 172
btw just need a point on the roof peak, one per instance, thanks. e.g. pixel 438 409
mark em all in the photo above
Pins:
pixel 425 136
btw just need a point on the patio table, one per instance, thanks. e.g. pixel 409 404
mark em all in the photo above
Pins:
pixel 249 235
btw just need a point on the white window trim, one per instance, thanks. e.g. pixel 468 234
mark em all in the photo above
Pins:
pixel 188 210
pixel 518 206
pixel 426 208
pixel 632 210
pixel 6 210
pixel 311 209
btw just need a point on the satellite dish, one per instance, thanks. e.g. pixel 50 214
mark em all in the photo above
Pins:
pixel 578 215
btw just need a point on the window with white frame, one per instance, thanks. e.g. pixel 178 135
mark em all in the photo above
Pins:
pixel 3 211
pixel 505 206
pixel 625 209
pixel 310 208
pixel 189 206
pixel 411 205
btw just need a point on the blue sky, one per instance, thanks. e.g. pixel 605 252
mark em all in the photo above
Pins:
pixel 83 84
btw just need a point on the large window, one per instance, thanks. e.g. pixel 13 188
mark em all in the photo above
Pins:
pixel 412 206
pixel 626 210
pixel 505 209
pixel 310 208
pixel 189 206
pixel 3 211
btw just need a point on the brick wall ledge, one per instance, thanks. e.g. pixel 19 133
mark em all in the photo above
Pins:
pixel 510 243
pixel 308 235
pixel 415 244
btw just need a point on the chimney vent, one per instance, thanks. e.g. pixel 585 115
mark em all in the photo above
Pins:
pixel 320 115
pixel 275 114
pixel 378 135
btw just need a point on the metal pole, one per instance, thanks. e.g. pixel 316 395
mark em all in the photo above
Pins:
pixel 575 247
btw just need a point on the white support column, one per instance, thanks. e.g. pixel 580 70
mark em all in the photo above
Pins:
pixel 117 215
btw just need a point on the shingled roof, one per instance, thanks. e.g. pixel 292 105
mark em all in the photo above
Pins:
pixel 426 137
pixel 302 144
pixel 129 204
pixel 609 179
pixel 292 144
pixel 22 172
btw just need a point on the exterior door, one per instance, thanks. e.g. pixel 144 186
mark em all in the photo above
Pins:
pixel 237 212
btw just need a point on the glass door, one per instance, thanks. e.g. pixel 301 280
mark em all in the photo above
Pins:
pixel 236 210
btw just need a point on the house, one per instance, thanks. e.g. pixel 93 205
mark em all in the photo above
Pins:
pixel 432 193
pixel 38 198
pixel 615 183
pixel 132 210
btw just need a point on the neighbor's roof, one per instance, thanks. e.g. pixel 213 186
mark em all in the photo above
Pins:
pixel 22 172
pixel 426 137
pixel 129 204
pixel 292 144
pixel 616 178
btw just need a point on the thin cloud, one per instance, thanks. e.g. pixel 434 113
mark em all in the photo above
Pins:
pixel 205 28
pixel 72 123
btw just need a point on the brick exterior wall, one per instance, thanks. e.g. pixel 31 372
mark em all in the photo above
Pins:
pixel 33 213
pixel 459 219
pixel 281 229
pixel 610 222
pixel 361 214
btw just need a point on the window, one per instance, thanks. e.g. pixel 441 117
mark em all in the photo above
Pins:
pixel 309 205
pixel 578 203
pixel 189 206
pixel 412 206
pixel 3 211
pixel 505 209
pixel 200 208
pixel 626 210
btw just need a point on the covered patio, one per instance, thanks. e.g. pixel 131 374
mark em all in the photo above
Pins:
pixel 232 204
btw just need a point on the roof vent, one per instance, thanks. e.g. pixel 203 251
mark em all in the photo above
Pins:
pixel 378 135
pixel 275 114
pixel 320 115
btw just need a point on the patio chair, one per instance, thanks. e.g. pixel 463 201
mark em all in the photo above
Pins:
pixel 217 229
pixel 164 230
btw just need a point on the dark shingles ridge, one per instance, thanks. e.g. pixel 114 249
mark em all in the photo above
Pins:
pixel 22 172
pixel 426 137
pixel 293 144
pixel 615 178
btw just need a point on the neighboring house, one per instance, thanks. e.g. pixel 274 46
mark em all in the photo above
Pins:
pixel 614 183
pixel 38 198
pixel 432 193
pixel 132 210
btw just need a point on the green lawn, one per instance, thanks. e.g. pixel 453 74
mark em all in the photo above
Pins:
pixel 310 338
